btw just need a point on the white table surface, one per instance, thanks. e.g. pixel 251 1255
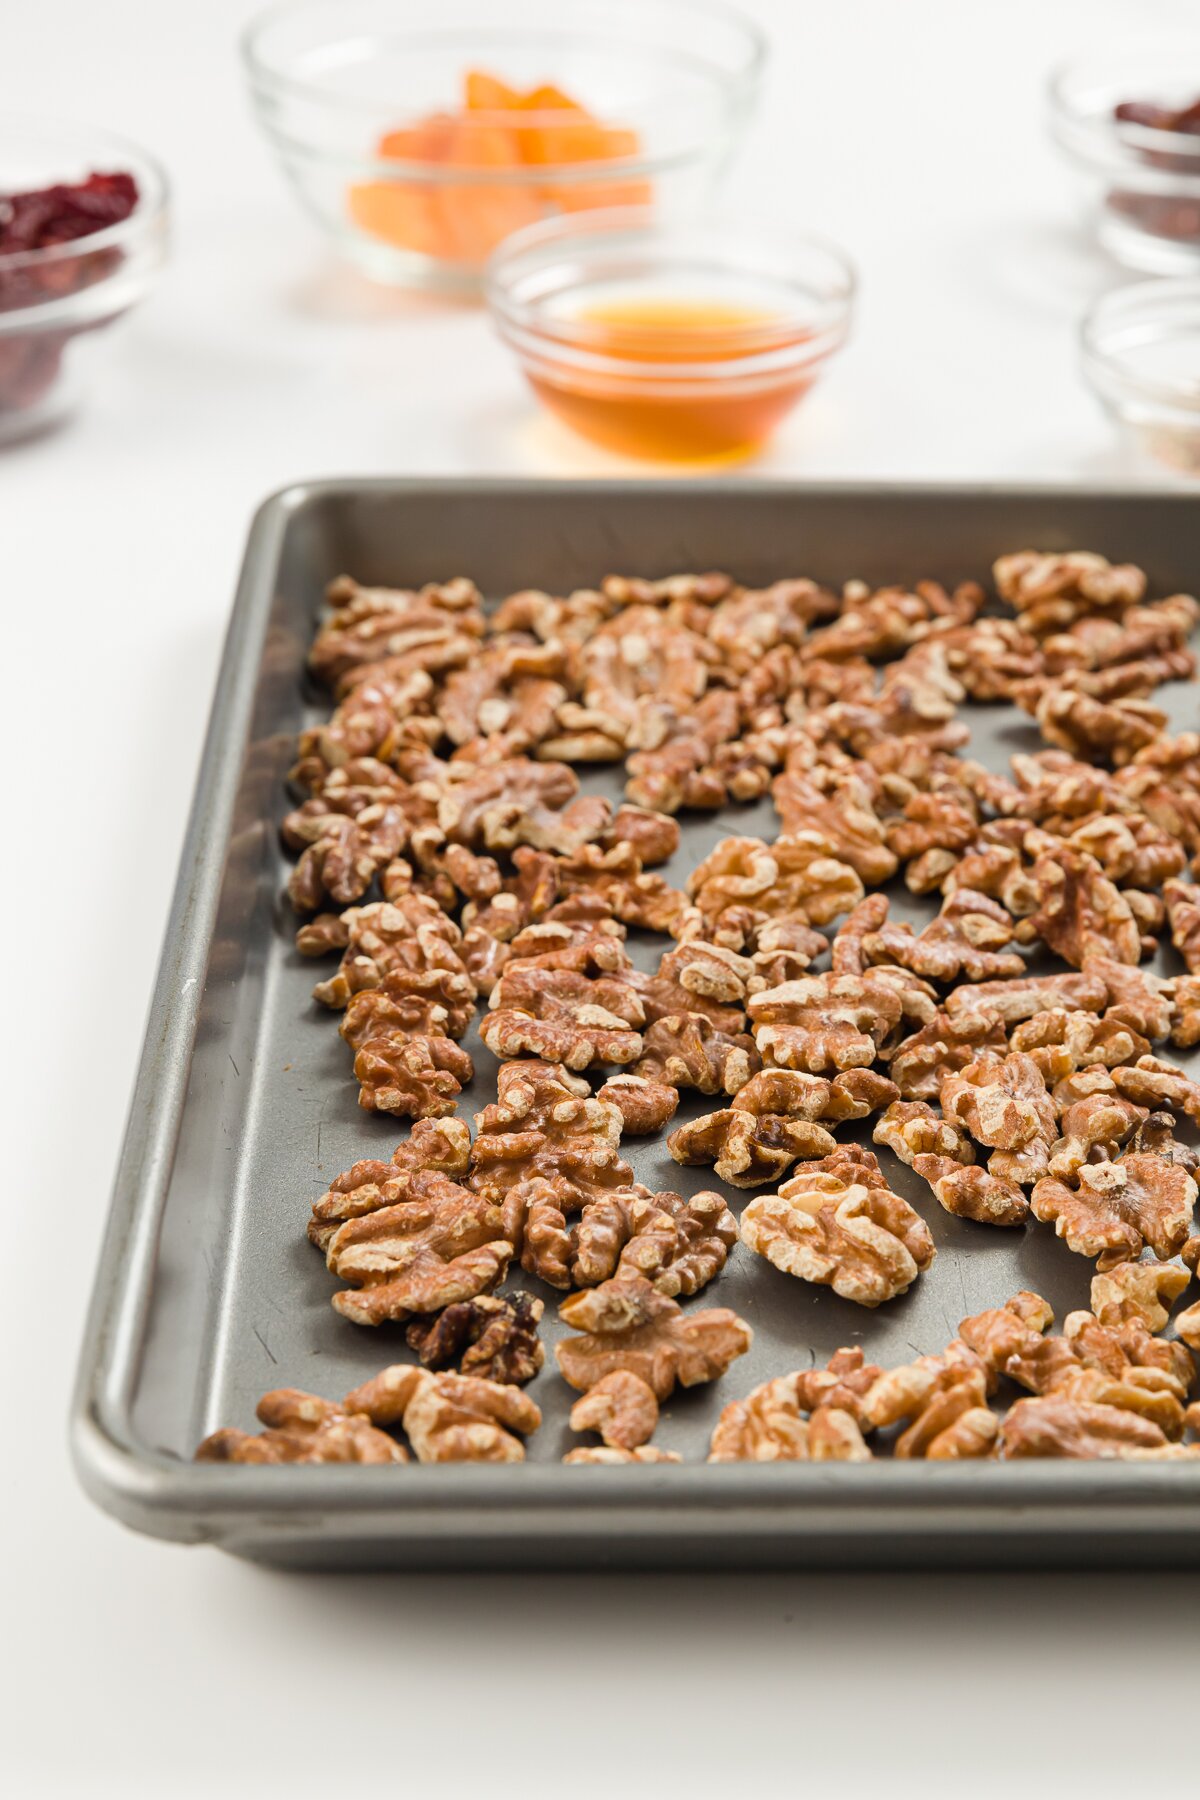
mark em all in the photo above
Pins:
pixel 913 134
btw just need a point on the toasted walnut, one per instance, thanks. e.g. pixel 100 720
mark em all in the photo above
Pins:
pixel 653 836
pixel 563 1017
pixel 1136 997
pixel 621 1407
pixel 341 862
pixel 1187 1327
pixel 736 872
pixel 1119 1208
pixel 509 693
pixel 972 1192
pixel 1080 911
pixel 813 884
pixel 545 1127
pixel 769 1426
pixel 303 1428
pixel 416 1077
pixel 500 805
pixel 845 818
pixel 450 1418
pixel 945 1400
pixel 1129 848
pixel 946 1044
pixel 626 1324
pixel 823 1023
pixel 1151 1081
pixel 1115 730
pixel 1061 1043
pixel 1061 1427
pixel 841 1227
pixel 1003 1332
pixel 410 1002
pixel 442 1146
pixel 747 1149
pixel 1137 1290
pixel 438 1245
pixel 390 630
pixel 966 939
pixel 785 949
pixel 936 822
pixel 645 1106
pixel 617 876
pixel 772 1123
pixel 1094 1129
pixel 1185 1019
pixel 911 1128
pixel 1049 591
pixel 1183 911
pixel 678 1245
pixel 685 1050
pixel 383 938
pixel 1013 1001
pixel 496 1339
pixel 1003 1103
pixel 605 1454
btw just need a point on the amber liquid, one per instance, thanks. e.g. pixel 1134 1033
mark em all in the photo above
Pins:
pixel 656 414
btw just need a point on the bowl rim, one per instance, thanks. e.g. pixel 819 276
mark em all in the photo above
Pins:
pixel 1106 367
pixel 746 350
pixel 151 206
pixel 738 83
pixel 1120 135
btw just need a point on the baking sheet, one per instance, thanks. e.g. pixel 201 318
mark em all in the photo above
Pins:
pixel 209 1293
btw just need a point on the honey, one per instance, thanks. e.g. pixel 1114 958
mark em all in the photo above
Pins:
pixel 674 379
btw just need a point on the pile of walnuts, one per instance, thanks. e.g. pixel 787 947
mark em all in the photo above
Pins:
pixel 1013 1052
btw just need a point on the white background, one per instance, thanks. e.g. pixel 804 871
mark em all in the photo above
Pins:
pixel 911 132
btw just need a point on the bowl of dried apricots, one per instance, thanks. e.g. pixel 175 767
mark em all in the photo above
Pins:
pixel 420 143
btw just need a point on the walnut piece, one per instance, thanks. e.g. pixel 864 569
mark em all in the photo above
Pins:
pixel 645 1106
pixel 948 1043
pixel 911 1128
pixel 487 1336
pixel 966 939
pixel 563 1017
pixel 1061 1427
pixel 621 1407
pixel 1137 1290
pixel 1013 1001
pixel 1003 1103
pixel 303 1428
pixel 972 1192
pixel 822 1024
pixel 686 1050
pixel 442 1146
pixel 677 1245
pixel 1080 911
pixel 838 1224
pixel 773 1123
pixel 449 1418
pixel 626 1324
pixel 439 1245
pixel 1120 1208
pixel 944 1398
pixel 414 1077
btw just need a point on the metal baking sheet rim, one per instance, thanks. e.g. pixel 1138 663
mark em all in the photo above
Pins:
pixel 688 1515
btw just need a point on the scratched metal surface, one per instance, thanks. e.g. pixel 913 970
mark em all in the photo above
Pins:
pixel 237 1300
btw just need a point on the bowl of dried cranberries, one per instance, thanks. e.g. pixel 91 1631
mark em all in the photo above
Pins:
pixel 83 232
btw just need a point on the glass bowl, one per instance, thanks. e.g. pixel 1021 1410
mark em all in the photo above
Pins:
pixel 57 303
pixel 677 342
pixel 1141 356
pixel 418 177
pixel 1142 184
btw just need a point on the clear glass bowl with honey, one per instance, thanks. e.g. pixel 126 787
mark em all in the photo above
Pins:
pixel 673 342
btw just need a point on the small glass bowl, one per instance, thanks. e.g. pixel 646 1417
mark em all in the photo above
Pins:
pixel 1141 356
pixel 1142 184
pixel 56 303
pixel 331 79
pixel 678 343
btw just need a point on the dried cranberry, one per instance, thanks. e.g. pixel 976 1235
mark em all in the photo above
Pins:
pixel 38 220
